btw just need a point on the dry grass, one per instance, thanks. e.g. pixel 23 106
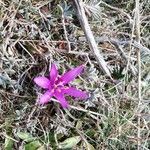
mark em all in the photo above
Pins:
pixel 34 34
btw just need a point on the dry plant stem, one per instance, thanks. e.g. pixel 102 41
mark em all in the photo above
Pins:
pixel 11 26
pixel 8 137
pixel 91 113
pixel 44 39
pixel 119 10
pixel 119 43
pixel 121 53
pixel 90 38
pixel 129 54
pixel 26 50
pixel 137 32
pixel 65 31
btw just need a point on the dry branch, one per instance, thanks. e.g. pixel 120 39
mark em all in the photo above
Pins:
pixel 137 32
pixel 89 36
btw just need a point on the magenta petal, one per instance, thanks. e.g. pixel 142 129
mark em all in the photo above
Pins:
pixel 71 75
pixel 60 97
pixel 45 98
pixel 75 92
pixel 53 73
pixel 42 82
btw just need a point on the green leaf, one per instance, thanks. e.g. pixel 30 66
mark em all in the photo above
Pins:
pixel 27 137
pixel 69 143
pixel 8 144
pixel 33 145
pixel 88 146
pixel 79 124
pixel 42 148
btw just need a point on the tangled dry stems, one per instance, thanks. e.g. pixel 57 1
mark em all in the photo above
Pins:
pixel 35 34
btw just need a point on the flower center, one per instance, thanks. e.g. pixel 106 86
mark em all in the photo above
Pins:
pixel 58 85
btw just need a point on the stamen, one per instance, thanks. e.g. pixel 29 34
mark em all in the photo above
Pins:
pixel 52 90
pixel 59 90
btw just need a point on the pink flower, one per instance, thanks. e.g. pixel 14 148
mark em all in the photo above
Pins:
pixel 57 86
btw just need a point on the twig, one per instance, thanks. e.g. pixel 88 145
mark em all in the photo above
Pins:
pixel 28 40
pixel 31 114
pixel 141 47
pixel 90 38
pixel 11 26
pixel 119 10
pixel 97 113
pixel 44 38
pixel 98 40
pixel 8 137
pixel 120 51
pixel 119 42
pixel 26 51
pixel 64 27
pixel 137 32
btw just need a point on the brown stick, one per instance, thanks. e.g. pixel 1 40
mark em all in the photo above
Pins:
pixel 137 31
pixel 89 36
